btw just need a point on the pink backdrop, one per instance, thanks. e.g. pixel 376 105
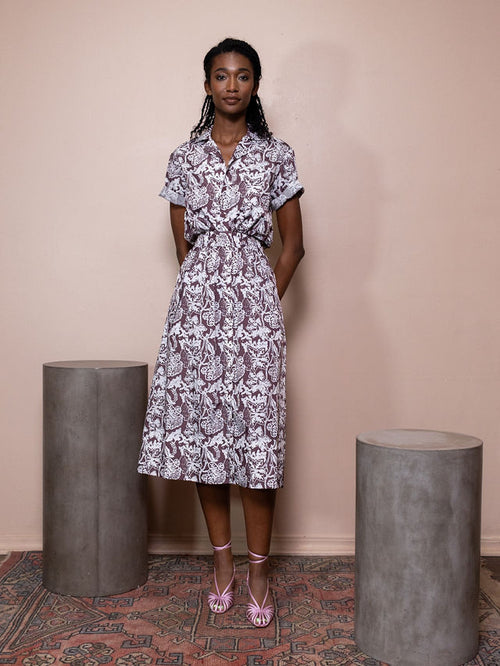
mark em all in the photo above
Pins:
pixel 393 319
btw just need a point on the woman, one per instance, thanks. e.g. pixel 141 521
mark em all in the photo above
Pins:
pixel 216 412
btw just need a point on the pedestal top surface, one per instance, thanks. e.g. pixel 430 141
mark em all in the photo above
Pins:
pixel 94 365
pixel 419 440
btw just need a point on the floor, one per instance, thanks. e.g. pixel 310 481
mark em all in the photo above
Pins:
pixel 167 618
pixel 493 564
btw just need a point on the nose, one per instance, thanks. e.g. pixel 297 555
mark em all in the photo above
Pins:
pixel 232 84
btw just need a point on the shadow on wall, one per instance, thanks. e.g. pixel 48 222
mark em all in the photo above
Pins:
pixel 337 369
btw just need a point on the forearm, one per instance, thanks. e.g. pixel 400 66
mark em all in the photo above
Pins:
pixel 182 246
pixel 290 227
pixel 285 267
pixel 181 251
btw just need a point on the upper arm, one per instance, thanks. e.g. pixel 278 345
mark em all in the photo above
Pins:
pixel 285 181
pixel 174 189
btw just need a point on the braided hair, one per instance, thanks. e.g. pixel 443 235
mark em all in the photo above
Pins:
pixel 255 118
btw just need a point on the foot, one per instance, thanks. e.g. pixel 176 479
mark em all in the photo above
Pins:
pixel 221 596
pixel 260 609
pixel 257 579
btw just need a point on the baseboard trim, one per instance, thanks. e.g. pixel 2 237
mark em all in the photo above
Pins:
pixel 199 545
pixel 280 545
pixel 19 543
pixel 490 546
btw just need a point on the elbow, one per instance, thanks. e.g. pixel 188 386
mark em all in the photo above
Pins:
pixel 296 254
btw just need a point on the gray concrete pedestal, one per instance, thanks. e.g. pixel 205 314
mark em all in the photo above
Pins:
pixel 94 504
pixel 418 514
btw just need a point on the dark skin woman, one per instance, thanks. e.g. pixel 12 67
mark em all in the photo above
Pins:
pixel 232 108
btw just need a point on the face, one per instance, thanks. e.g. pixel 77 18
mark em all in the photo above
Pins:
pixel 231 83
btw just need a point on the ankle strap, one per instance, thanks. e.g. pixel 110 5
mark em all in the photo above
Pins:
pixel 228 545
pixel 259 559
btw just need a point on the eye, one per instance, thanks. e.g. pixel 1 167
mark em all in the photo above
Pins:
pixel 220 77
pixel 244 77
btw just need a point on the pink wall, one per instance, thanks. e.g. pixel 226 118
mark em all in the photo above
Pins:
pixel 393 319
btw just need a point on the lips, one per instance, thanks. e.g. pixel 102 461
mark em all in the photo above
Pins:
pixel 231 100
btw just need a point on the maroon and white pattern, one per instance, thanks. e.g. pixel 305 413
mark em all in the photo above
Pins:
pixel 216 410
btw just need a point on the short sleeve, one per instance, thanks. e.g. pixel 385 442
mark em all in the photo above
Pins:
pixel 174 189
pixel 286 182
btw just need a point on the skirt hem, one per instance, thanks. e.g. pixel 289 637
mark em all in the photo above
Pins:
pixel 157 474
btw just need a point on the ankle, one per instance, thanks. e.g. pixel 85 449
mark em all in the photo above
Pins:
pixel 258 572
pixel 223 560
pixel 258 567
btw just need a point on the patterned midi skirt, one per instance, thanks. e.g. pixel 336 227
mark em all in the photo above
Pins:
pixel 216 410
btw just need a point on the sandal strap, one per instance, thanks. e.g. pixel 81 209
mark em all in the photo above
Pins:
pixel 259 559
pixel 259 615
pixel 227 588
pixel 220 602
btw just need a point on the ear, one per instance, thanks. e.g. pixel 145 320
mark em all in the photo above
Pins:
pixel 207 88
pixel 255 89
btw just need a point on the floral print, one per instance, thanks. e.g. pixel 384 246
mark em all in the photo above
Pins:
pixel 216 410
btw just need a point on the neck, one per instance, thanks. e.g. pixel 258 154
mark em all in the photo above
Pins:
pixel 228 130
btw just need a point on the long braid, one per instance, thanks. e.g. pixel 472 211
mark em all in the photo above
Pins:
pixel 255 117
pixel 207 117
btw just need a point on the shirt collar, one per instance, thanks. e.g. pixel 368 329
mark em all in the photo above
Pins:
pixel 203 137
pixel 206 136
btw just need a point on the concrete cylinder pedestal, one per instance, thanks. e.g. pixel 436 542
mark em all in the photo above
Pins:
pixel 418 514
pixel 94 504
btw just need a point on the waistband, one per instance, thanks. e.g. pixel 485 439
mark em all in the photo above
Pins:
pixel 223 238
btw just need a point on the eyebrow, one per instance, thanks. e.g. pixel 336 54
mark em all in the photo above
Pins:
pixel 226 69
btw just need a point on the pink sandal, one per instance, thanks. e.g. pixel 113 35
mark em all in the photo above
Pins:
pixel 217 602
pixel 259 615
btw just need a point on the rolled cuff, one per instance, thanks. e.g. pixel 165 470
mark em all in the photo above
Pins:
pixel 291 191
pixel 171 195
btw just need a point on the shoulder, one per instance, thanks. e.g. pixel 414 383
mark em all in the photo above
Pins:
pixel 276 149
pixel 275 152
pixel 186 156
pixel 192 144
pixel 182 150
pixel 279 143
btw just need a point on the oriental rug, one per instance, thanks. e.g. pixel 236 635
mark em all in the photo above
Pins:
pixel 167 622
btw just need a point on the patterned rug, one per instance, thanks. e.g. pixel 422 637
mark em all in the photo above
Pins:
pixel 167 621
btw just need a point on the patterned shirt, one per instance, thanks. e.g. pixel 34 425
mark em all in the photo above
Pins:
pixel 240 197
